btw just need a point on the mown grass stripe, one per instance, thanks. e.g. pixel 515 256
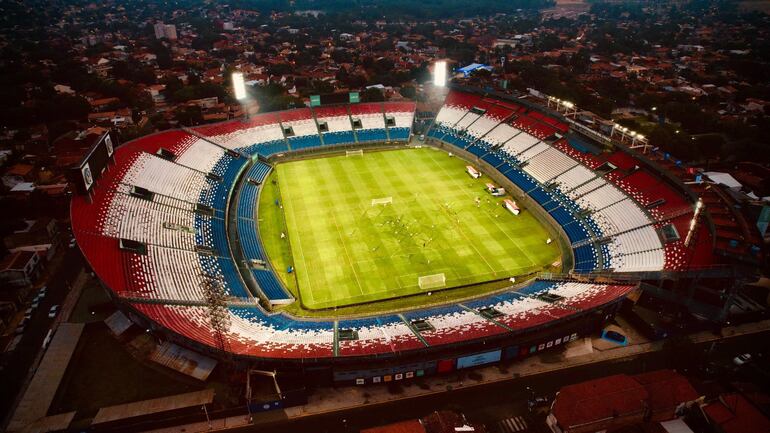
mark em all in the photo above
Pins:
pixel 348 252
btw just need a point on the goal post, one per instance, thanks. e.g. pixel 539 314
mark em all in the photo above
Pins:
pixel 359 152
pixel 382 201
pixel 431 281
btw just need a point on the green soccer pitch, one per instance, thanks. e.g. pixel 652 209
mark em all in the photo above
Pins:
pixel 347 250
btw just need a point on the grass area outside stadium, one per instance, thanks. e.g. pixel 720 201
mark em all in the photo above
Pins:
pixel 317 215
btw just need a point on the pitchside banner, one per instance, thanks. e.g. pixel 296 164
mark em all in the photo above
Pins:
pixel 479 359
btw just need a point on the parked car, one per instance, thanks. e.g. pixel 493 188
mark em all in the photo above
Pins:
pixel 742 359
pixel 47 339
pixel 13 343
pixel 21 327
pixel 615 336
pixel 53 311
pixel 537 402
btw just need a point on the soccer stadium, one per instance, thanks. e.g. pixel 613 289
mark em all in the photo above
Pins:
pixel 345 240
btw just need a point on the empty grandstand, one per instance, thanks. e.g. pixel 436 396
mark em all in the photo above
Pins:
pixel 179 209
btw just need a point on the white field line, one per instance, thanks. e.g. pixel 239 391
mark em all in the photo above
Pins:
pixel 494 221
pixel 347 255
pixel 305 271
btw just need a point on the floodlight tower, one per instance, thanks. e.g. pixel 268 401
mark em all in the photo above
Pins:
pixel 239 90
pixel 433 95
pixel 215 295
pixel 439 73
pixel 239 86
pixel 694 222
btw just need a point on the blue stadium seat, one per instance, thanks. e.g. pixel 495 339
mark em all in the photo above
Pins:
pixel 215 266
pixel 477 150
pixel 219 234
pixel 332 138
pixel 398 134
pixel 367 135
pixel 493 159
pixel 427 313
pixel 247 233
pixel 247 201
pixel 266 149
pixel 270 285
pixel 304 142
pixel 258 171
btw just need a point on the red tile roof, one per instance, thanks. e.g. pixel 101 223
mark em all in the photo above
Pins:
pixel 734 414
pixel 594 400
pixel 22 170
pixel 622 395
pixel 667 389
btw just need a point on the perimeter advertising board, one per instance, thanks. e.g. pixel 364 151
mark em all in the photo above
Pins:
pixel 479 359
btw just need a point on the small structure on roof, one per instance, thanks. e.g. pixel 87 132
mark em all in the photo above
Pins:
pixel 468 70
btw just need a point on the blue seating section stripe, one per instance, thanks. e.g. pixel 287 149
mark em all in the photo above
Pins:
pixel 269 284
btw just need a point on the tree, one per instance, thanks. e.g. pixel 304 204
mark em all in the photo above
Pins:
pixel 203 90
pixel 162 53
pixel 271 97
pixel 372 94
pixel 63 107
pixel 188 115
pixel 408 92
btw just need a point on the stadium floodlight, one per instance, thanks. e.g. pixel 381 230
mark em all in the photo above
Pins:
pixel 239 87
pixel 694 222
pixel 567 104
pixel 439 73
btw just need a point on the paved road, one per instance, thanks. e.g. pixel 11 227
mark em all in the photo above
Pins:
pixel 15 365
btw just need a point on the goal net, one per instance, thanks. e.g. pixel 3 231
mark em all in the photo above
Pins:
pixel 382 201
pixel 359 152
pixel 431 281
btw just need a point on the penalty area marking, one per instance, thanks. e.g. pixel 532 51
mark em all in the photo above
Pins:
pixel 494 220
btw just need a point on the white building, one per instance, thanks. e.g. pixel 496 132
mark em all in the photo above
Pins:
pixel 167 31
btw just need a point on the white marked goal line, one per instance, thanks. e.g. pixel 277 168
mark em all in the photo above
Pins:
pixel 431 281
pixel 359 152
pixel 382 201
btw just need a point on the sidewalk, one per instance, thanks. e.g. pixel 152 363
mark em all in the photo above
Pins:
pixel 328 400
pixel 203 426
